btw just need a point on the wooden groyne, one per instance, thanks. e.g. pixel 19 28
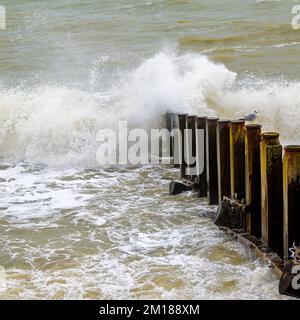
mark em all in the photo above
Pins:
pixel 252 179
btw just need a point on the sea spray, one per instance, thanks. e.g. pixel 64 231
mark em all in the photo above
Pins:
pixel 57 125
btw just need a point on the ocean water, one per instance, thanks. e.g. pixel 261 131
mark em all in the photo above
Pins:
pixel 71 229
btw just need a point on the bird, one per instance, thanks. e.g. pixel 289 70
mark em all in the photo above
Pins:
pixel 250 117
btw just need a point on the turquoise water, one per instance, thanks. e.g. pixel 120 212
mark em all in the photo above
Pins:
pixel 70 229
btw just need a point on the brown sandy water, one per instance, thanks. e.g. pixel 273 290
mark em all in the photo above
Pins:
pixel 70 229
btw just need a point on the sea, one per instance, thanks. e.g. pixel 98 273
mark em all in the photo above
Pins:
pixel 73 229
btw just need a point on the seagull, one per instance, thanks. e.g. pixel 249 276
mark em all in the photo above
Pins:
pixel 250 117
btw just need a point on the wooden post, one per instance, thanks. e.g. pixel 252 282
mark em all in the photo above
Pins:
pixel 175 140
pixel 223 150
pixel 182 127
pixel 171 125
pixel 190 125
pixel 272 191
pixel 212 161
pixel 237 158
pixel 202 179
pixel 291 191
pixel 253 183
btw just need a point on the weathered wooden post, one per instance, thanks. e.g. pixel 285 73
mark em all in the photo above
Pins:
pixel 253 183
pixel 175 142
pixel 202 179
pixel 176 139
pixel 223 154
pixel 291 191
pixel 212 161
pixel 272 191
pixel 191 146
pixel 237 159
pixel 171 124
pixel 182 127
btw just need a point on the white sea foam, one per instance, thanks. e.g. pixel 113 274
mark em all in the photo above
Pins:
pixel 118 235
pixel 58 125
pixel 74 232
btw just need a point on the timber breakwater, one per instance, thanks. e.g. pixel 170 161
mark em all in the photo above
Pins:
pixel 253 179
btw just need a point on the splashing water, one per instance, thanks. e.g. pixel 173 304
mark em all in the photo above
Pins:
pixel 71 229
pixel 58 125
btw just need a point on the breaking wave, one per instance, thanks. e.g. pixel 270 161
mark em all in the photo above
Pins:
pixel 57 125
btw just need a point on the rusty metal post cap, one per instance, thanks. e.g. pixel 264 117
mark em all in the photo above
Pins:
pixel 270 138
pixel 253 126
pixel 270 135
pixel 237 123
pixel 292 148
pixel 224 121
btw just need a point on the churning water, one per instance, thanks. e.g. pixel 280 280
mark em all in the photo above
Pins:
pixel 70 229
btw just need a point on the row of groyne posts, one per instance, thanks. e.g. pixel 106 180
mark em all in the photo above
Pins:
pixel 254 181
